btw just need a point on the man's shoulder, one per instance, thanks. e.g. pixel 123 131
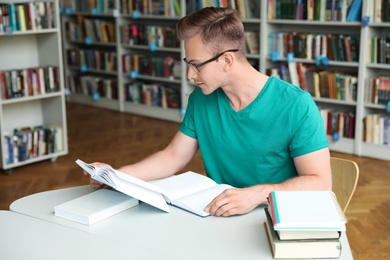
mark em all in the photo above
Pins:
pixel 278 87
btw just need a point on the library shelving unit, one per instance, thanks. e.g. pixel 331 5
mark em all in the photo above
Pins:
pixel 28 49
pixel 258 27
pixel 151 74
pixel 363 30
pixel 90 49
pixel 369 67
pixel 136 44
pixel 138 88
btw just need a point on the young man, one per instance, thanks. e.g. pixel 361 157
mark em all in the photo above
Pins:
pixel 256 133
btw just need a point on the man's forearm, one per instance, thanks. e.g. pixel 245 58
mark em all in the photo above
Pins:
pixel 307 182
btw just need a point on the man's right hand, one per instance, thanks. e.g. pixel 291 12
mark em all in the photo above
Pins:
pixel 94 183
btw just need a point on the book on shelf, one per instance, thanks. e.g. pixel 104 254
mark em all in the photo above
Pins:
pixel 339 122
pixel 95 206
pixel 156 95
pixel 302 234
pixel 292 68
pixel 27 16
pixel 301 248
pixel 153 7
pixel 28 82
pixel 379 10
pixel 376 129
pixel 189 191
pixel 31 142
pixel 306 210
pixel 355 11
pixel 252 42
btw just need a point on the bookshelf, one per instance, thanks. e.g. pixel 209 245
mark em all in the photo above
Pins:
pixel 153 90
pixel 259 24
pixel 361 69
pixel 32 105
pixel 154 85
pixel 90 52
pixel 371 67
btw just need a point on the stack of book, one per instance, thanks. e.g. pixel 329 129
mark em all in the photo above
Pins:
pixel 304 224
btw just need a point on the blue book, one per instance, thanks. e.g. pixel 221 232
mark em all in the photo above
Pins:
pixel 12 13
pixel 355 12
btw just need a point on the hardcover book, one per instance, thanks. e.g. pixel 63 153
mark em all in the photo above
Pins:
pixel 189 191
pixel 303 234
pixel 314 248
pixel 306 210
pixel 95 206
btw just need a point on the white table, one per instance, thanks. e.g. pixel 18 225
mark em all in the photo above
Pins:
pixel 24 237
pixel 176 235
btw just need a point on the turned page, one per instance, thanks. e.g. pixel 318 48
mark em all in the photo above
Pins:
pixel 196 202
pixel 183 184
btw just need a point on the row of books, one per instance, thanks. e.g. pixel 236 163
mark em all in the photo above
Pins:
pixel 151 65
pixel 159 36
pixel 88 6
pixel 252 42
pixel 319 83
pixel 379 11
pixel 156 95
pixel 304 224
pixel 90 59
pixel 337 47
pixel 152 7
pixel 90 30
pixel 96 87
pixel 318 10
pixel 377 90
pixel 29 82
pixel 379 49
pixel 27 16
pixel 165 36
pixel 338 124
pixel 247 9
pixel 31 142
pixel 376 129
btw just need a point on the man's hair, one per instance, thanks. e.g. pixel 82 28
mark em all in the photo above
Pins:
pixel 219 28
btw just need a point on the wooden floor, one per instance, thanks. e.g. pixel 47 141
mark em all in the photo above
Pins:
pixel 120 138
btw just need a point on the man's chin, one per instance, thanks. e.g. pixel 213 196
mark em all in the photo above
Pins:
pixel 207 91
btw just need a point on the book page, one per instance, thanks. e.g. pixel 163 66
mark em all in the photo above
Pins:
pixel 196 202
pixel 183 184
pixel 137 188
pixel 127 184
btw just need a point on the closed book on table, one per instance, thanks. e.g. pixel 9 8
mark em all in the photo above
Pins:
pixel 298 249
pixel 306 210
pixel 95 206
pixel 303 234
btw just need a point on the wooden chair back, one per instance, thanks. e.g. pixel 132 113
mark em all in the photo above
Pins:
pixel 345 175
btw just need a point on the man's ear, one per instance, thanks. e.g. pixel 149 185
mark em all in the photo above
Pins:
pixel 229 59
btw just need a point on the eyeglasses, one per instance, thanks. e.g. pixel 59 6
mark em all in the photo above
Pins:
pixel 197 66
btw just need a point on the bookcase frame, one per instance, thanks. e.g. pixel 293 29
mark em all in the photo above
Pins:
pixel 28 49
pixel 264 25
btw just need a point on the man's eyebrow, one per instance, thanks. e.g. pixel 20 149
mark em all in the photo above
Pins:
pixel 192 60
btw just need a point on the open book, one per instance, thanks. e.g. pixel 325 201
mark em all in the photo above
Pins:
pixel 189 191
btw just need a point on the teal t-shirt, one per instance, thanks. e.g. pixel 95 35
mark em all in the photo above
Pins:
pixel 257 144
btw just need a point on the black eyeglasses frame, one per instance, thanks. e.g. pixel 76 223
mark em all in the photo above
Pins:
pixel 197 66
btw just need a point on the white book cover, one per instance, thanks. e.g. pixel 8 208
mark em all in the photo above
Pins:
pixel 306 210
pixel 95 206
